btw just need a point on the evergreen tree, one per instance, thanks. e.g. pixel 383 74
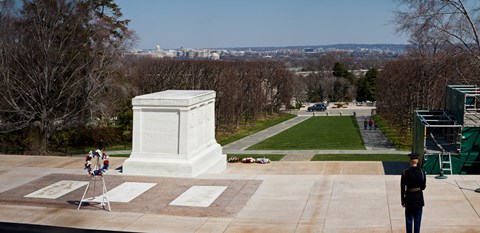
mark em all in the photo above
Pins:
pixel 366 88
pixel 315 93
pixel 340 71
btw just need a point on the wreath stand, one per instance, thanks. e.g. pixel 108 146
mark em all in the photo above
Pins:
pixel 95 159
pixel 104 202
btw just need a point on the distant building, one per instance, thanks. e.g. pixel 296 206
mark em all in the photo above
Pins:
pixel 203 53
pixel 356 51
pixel 308 50
pixel 190 54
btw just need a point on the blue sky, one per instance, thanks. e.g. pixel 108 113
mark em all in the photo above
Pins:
pixel 252 23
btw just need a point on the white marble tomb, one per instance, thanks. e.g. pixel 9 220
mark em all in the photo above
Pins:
pixel 174 135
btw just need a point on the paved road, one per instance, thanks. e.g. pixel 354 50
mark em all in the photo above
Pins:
pixel 373 139
pixel 350 110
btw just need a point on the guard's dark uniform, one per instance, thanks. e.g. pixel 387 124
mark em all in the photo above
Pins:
pixel 412 184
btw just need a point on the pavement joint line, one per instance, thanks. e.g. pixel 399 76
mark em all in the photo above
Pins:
pixel 328 206
pixel 478 214
pixel 469 202
pixel 304 207
pixel 129 224
pixel 388 207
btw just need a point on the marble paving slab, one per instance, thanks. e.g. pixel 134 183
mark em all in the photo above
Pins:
pixel 125 192
pixel 58 189
pixel 199 196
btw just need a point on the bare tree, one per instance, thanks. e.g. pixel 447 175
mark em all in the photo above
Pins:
pixel 245 89
pixel 64 55
pixel 444 50
pixel 409 84
pixel 433 24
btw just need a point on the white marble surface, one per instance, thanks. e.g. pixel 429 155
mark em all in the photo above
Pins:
pixel 125 192
pixel 58 189
pixel 199 196
pixel 174 135
pixel 174 98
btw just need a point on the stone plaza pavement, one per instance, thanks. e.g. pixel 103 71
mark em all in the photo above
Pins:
pixel 294 196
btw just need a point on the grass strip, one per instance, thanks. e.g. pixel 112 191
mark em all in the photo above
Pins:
pixel 400 142
pixel 317 133
pixel 118 147
pixel 272 157
pixel 361 157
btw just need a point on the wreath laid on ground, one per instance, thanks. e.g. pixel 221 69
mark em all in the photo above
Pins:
pixel 99 161
pixel 233 159
pixel 263 160
pixel 248 160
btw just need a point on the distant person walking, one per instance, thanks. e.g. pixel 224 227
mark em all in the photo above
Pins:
pixel 370 123
pixel 412 184
pixel 365 123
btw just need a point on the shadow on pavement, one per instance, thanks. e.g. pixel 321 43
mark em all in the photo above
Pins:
pixel 30 228
pixel 394 168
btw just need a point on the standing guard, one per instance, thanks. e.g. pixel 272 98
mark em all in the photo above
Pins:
pixel 412 184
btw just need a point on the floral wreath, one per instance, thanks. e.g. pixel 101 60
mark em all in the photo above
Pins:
pixel 263 160
pixel 94 158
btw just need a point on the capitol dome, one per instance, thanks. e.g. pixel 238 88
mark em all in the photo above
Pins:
pixel 214 56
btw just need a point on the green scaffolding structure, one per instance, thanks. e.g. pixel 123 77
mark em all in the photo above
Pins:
pixel 449 140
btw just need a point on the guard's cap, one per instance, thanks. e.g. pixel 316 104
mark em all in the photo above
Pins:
pixel 413 156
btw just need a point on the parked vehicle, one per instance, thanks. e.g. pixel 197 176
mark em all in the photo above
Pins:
pixel 317 107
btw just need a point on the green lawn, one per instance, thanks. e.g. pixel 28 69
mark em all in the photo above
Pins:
pixel 272 157
pixel 85 150
pixel 400 142
pixel 317 133
pixel 119 147
pixel 361 157
pixel 260 125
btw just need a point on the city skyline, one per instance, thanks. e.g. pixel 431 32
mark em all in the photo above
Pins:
pixel 227 24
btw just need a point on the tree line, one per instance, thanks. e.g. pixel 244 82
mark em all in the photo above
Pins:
pixel 65 79
pixel 57 59
pixel 332 80
pixel 245 90
pixel 444 49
